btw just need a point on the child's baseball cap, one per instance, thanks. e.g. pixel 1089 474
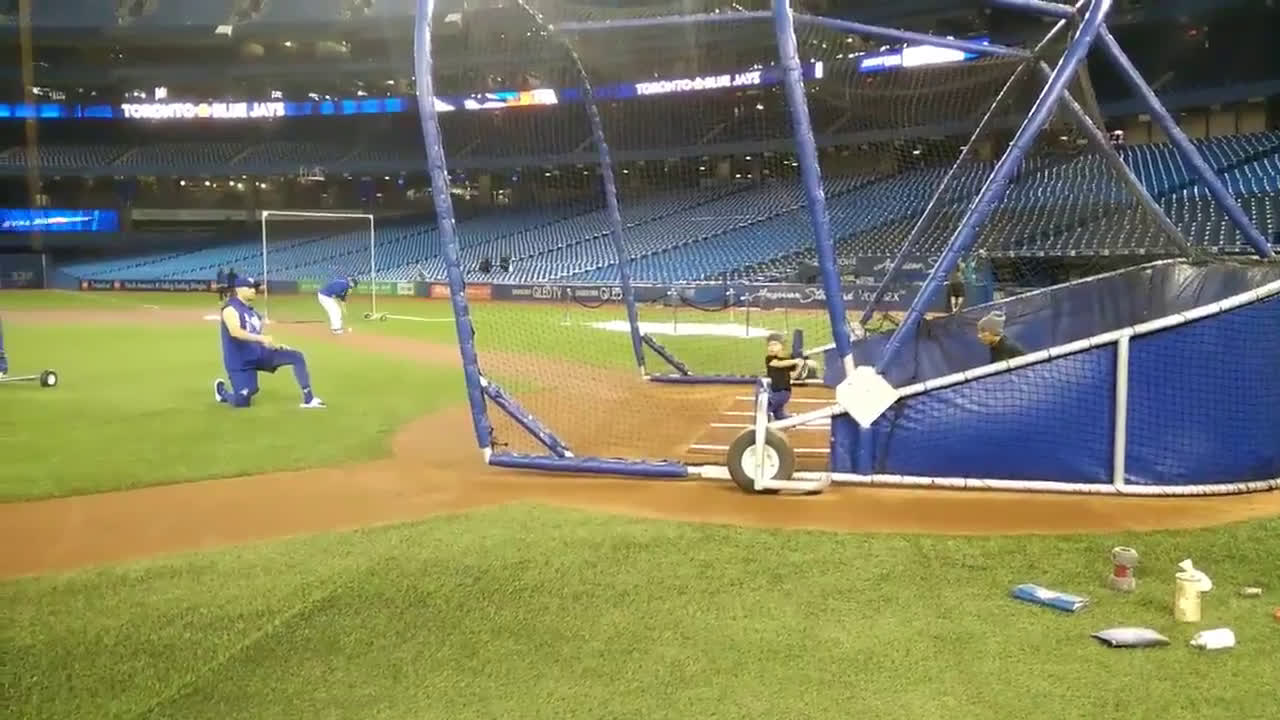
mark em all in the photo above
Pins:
pixel 247 282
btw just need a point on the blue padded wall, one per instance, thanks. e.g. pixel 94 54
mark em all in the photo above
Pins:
pixel 1204 400
pixel 1204 408
pixel 1052 421
pixel 949 344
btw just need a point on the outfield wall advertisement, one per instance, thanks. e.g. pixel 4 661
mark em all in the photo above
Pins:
pixel 150 285
pixel 767 297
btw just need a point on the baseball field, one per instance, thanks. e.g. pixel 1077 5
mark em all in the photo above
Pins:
pixel 165 557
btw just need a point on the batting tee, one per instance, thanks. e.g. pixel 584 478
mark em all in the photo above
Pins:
pixel 989 170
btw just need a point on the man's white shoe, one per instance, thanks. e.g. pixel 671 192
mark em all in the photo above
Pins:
pixel 220 390
pixel 315 403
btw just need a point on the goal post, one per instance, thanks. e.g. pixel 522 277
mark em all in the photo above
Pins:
pixel 303 250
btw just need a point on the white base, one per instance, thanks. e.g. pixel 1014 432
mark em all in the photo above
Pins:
pixel 807 486
pixel 720 472
pixel 1041 486
pixel 822 479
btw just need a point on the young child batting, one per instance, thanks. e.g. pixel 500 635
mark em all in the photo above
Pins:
pixel 781 369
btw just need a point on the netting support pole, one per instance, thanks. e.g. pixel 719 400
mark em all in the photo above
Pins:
pixel 610 188
pixel 1182 145
pixel 807 154
pixel 424 82
pixel 997 185
pixel 1100 144
pixel 936 202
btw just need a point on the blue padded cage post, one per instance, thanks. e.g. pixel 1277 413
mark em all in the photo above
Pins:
pixel 666 355
pixel 936 203
pixel 424 86
pixel 1181 144
pixel 531 425
pixel 1094 135
pixel 997 185
pixel 608 185
pixel 807 154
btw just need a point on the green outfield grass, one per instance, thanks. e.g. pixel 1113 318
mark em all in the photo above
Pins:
pixel 135 406
pixel 538 613
pixel 562 331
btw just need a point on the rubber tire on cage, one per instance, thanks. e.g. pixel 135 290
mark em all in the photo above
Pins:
pixel 745 440
pixel 384 317
pixel 49 379
pixel 368 316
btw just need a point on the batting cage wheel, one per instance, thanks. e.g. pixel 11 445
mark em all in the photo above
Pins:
pixel 46 379
pixel 779 460
pixel 381 317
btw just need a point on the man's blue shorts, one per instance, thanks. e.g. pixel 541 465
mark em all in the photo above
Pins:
pixel 271 360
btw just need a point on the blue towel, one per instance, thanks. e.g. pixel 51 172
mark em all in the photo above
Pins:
pixel 1052 598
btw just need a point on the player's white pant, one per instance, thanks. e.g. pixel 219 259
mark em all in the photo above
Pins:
pixel 334 311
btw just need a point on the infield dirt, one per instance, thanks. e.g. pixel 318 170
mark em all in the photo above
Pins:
pixel 434 468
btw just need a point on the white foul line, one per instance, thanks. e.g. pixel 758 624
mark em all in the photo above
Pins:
pixel 418 319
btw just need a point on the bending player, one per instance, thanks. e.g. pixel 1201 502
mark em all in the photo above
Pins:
pixel 333 298
pixel 247 352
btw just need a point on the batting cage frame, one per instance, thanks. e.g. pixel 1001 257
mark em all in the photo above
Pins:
pixel 884 413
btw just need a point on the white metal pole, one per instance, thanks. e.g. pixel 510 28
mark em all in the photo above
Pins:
pixel 373 269
pixel 44 270
pixel 1119 445
pixel 266 292
pixel 762 423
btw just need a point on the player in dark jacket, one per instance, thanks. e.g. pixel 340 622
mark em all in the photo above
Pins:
pixel 991 333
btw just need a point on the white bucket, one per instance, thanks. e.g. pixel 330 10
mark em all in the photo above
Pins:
pixel 1186 597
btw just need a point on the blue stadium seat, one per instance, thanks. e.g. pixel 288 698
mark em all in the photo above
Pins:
pixel 1060 206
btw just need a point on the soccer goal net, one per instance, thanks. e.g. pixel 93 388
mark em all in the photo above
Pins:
pixel 304 253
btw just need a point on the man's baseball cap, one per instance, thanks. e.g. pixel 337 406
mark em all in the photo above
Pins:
pixel 247 282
